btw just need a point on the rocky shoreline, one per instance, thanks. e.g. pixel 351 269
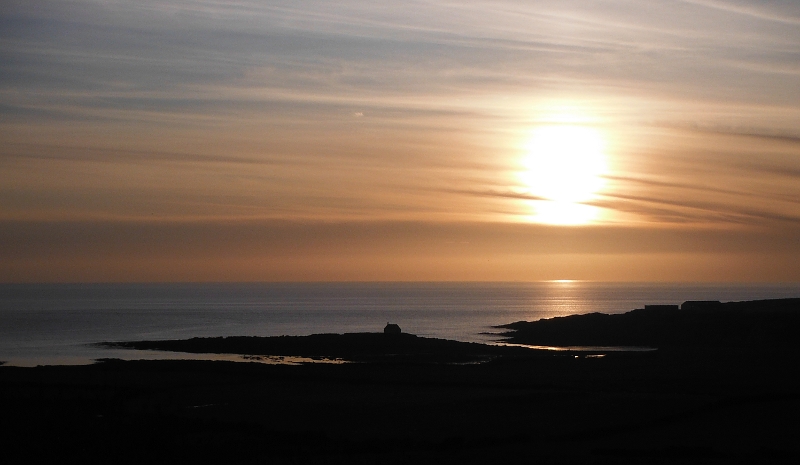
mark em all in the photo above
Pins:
pixel 416 400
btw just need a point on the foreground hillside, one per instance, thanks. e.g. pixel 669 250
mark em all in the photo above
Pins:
pixel 415 400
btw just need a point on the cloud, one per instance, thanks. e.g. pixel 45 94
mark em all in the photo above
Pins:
pixel 779 11
pixel 111 51
pixel 494 194
pixel 694 211
pixel 123 155
pixel 286 238
pixel 116 108
pixel 378 250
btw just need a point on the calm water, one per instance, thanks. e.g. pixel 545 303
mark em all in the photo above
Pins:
pixel 56 323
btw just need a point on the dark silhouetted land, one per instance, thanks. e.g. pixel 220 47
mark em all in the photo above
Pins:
pixel 733 397
pixel 766 324
pixel 356 347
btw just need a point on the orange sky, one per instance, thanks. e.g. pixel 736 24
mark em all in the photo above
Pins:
pixel 272 141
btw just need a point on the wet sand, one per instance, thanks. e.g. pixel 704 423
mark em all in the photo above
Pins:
pixel 412 400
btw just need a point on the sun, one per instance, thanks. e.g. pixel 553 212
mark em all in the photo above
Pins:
pixel 564 166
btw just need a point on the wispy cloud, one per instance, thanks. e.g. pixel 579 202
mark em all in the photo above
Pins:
pixel 779 11
pixel 117 155
pixel 692 211
pixel 352 48
pixel 411 112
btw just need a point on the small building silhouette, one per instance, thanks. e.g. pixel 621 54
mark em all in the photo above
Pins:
pixel 391 328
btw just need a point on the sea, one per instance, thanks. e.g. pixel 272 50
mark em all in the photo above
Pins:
pixel 61 324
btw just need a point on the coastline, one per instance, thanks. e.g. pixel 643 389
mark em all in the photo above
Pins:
pixel 674 405
pixel 44 324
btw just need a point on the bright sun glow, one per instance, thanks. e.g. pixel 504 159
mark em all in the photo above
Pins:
pixel 564 165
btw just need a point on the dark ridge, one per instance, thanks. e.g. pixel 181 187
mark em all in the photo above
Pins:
pixel 761 324
pixel 352 346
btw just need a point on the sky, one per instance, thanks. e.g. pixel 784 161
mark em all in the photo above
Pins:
pixel 413 141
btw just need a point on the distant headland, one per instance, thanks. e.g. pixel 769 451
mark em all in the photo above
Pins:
pixel 753 325
pixel 386 346
pixel 757 324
